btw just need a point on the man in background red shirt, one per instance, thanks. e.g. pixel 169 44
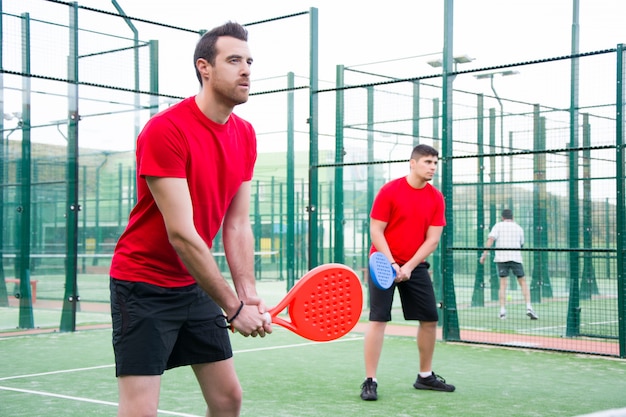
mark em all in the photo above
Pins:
pixel 406 222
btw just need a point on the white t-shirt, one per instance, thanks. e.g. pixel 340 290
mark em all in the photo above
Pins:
pixel 507 234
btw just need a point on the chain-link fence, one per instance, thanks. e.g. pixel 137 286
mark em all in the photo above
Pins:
pixel 78 84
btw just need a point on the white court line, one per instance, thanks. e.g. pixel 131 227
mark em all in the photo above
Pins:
pixel 563 326
pixel 87 400
pixel 55 372
pixel 113 404
pixel 6 378
pixel 540 329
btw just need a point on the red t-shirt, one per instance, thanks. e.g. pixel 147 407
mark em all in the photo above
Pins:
pixel 181 142
pixel 408 212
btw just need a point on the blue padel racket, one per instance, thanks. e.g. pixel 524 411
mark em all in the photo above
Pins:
pixel 381 271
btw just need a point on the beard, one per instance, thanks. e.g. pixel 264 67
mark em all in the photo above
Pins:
pixel 233 96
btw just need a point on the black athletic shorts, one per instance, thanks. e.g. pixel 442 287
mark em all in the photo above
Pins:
pixel 416 295
pixel 157 328
pixel 515 267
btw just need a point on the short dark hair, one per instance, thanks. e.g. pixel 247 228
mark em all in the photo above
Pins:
pixel 507 214
pixel 423 150
pixel 205 48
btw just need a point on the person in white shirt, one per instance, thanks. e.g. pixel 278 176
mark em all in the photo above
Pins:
pixel 508 235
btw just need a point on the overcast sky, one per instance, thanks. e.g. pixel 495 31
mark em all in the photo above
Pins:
pixel 491 31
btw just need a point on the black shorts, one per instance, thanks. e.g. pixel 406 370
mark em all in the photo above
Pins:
pixel 515 267
pixel 157 328
pixel 417 296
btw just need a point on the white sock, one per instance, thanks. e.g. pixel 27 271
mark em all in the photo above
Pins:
pixel 426 374
pixel 529 306
pixel 502 310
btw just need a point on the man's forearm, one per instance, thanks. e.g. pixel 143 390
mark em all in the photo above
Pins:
pixel 200 263
pixel 488 245
pixel 239 249
pixel 427 248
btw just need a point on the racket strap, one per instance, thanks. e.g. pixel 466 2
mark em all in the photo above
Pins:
pixel 220 317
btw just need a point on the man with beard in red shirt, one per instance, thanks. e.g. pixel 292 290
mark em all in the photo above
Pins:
pixel 170 304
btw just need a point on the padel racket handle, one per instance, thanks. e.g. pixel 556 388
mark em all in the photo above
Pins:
pixel 267 317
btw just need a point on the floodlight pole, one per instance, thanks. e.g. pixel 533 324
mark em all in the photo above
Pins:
pixel 26 318
pixel 4 175
pixel 450 324
pixel 573 311
pixel 4 299
pixel 136 61
pixel 495 93
pixel 491 76
pixel 312 207
pixel 71 297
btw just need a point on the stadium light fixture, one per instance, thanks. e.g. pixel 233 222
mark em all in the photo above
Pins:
pixel 460 59
pixel 492 74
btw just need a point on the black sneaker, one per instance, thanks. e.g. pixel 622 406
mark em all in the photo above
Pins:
pixel 433 382
pixel 368 390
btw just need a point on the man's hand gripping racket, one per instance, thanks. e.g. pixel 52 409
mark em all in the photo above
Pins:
pixel 325 304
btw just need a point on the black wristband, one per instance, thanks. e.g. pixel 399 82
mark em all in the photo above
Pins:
pixel 230 320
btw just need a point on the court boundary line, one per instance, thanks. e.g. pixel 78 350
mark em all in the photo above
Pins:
pixel 86 400
pixel 260 349
pixel 115 404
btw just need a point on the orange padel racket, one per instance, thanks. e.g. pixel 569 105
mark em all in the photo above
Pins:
pixel 325 304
